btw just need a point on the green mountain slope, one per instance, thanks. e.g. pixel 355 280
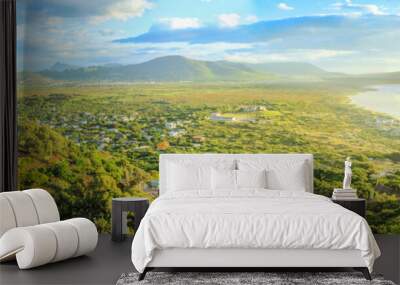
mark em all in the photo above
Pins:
pixel 59 66
pixel 389 77
pixel 178 68
pixel 168 68
pixel 289 68
pixel 81 180
pixel 32 78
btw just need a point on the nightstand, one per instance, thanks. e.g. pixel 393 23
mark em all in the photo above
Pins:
pixel 120 209
pixel 357 205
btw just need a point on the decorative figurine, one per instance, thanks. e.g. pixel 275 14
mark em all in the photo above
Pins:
pixel 347 174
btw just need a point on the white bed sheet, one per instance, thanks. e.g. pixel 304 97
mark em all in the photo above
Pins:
pixel 250 219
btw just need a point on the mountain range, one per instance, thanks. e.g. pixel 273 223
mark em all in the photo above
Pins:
pixel 178 68
pixel 59 66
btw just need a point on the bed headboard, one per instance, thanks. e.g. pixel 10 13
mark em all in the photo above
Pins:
pixel 165 158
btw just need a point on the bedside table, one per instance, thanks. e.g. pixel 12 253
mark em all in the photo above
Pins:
pixel 120 207
pixel 356 205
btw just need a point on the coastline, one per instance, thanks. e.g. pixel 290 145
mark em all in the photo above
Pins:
pixel 383 99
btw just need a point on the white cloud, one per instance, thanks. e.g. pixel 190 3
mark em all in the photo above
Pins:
pixel 232 20
pixel 111 33
pixel 359 8
pixel 289 55
pixel 251 19
pixel 284 6
pixel 229 20
pixel 123 10
pixel 140 52
pixel 186 48
pixel 182 23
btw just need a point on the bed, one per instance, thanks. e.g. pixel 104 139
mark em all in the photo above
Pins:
pixel 247 210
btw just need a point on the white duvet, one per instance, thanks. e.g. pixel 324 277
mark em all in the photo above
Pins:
pixel 250 219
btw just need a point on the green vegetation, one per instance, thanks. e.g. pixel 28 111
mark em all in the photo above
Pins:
pixel 88 143
pixel 81 179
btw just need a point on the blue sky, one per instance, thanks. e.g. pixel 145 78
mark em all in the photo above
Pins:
pixel 353 36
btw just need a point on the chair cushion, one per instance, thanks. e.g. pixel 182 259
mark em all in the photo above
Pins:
pixel 7 220
pixel 67 240
pixel 87 233
pixel 45 205
pixel 40 244
pixel 32 246
pixel 23 208
pixel 26 208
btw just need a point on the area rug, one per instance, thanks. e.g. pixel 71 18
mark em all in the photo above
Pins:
pixel 243 278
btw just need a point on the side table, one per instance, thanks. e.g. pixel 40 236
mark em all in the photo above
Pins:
pixel 122 205
pixel 357 205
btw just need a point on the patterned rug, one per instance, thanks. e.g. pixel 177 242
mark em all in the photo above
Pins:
pixel 243 278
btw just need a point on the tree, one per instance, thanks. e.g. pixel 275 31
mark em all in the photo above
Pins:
pixel 82 181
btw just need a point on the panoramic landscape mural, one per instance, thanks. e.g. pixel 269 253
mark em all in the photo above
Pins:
pixel 105 86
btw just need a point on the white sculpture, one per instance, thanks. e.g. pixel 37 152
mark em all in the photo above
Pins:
pixel 347 174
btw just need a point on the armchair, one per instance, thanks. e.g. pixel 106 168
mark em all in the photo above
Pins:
pixel 31 231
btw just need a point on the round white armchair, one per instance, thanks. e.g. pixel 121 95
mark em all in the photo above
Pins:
pixel 31 230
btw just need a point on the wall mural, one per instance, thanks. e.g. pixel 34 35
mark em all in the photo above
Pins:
pixel 105 86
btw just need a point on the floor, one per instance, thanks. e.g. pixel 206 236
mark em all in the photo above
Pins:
pixel 389 262
pixel 111 259
pixel 103 266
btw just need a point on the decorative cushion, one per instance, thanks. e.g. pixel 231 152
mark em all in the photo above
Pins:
pixel 223 179
pixel 183 178
pixel 251 178
pixel 281 174
pixel 188 174
pixel 290 176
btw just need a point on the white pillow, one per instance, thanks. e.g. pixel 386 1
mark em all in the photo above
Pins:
pixel 224 179
pixel 184 178
pixel 293 179
pixel 281 174
pixel 218 163
pixel 251 178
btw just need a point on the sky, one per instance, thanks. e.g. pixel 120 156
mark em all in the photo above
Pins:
pixel 351 36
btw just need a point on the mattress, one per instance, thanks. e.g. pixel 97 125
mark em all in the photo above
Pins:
pixel 251 219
